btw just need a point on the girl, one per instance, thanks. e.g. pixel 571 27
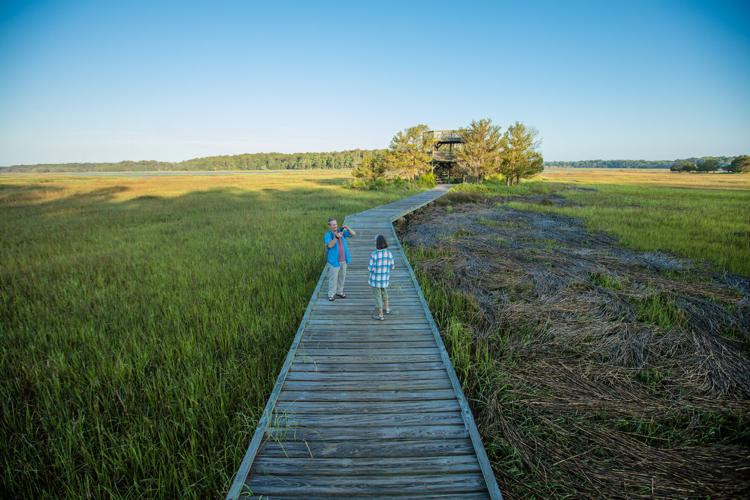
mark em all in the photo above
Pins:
pixel 381 264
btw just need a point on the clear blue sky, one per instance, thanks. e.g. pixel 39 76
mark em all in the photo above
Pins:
pixel 114 80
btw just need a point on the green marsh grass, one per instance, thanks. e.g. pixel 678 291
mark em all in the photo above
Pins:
pixel 707 225
pixel 704 218
pixel 143 322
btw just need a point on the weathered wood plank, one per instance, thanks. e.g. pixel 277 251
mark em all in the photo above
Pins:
pixel 369 420
pixel 367 344
pixel 363 314
pixel 353 485
pixel 367 350
pixel 344 341
pixel 372 339
pixel 416 395
pixel 374 344
pixel 292 433
pixel 365 407
pixel 364 319
pixel 365 334
pixel 478 495
pixel 368 331
pixel 369 359
pixel 359 385
pixel 356 367
pixel 366 466
pixel 398 289
pixel 355 302
pixel 368 377
pixel 367 324
pixel 374 448
pixel 324 312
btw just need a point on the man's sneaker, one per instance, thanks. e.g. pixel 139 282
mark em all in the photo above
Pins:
pixel 331 298
pixel 342 295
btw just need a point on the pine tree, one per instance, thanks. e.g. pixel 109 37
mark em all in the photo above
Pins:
pixel 479 155
pixel 410 153
pixel 740 164
pixel 519 158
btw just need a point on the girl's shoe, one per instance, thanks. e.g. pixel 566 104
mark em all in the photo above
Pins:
pixel 388 311
pixel 377 317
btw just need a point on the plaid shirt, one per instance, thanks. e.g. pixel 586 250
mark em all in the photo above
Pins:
pixel 381 263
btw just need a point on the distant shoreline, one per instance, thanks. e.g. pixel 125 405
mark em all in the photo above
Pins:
pixel 156 173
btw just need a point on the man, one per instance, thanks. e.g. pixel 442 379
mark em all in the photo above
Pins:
pixel 338 257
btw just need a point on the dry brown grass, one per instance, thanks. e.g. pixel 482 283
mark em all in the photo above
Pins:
pixel 646 177
pixel 49 187
pixel 595 371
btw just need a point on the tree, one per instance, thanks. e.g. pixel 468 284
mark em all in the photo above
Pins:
pixel 372 167
pixel 533 165
pixel 708 165
pixel 683 166
pixel 519 158
pixel 410 153
pixel 479 155
pixel 740 164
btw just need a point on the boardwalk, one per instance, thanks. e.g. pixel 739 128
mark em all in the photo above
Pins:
pixel 363 407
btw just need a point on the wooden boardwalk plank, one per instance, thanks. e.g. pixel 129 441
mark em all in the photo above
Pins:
pixel 371 350
pixel 268 485
pixel 398 342
pixel 364 407
pixel 366 466
pixel 384 396
pixel 378 448
pixel 373 367
pixel 367 386
pixel 373 420
pixel 350 434
pixel 369 377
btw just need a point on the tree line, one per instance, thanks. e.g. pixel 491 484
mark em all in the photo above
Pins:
pixel 611 164
pixel 486 151
pixel 250 161
pixel 739 164
pixel 723 162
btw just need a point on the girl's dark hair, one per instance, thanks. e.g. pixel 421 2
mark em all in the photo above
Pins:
pixel 380 242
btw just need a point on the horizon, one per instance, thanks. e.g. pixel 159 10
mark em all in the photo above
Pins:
pixel 344 150
pixel 93 83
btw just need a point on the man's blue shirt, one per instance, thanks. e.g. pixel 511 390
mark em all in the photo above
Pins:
pixel 333 252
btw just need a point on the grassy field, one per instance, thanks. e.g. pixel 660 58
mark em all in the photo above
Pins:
pixel 700 216
pixel 645 177
pixel 591 373
pixel 143 322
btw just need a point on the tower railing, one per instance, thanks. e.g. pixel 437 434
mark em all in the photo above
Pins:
pixel 446 136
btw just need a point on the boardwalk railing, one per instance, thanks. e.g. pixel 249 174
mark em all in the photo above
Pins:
pixel 364 407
